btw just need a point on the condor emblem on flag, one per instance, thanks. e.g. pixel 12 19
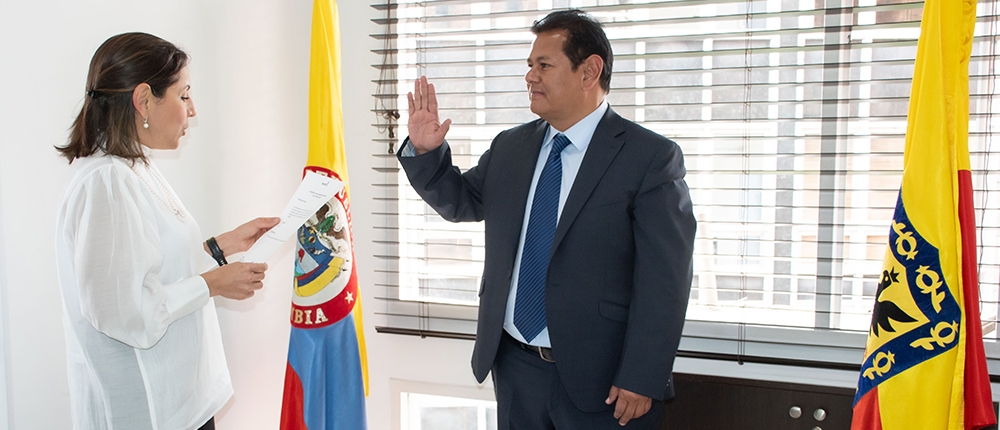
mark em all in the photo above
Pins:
pixel 325 283
pixel 916 317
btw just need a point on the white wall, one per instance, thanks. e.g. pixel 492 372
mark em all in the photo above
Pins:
pixel 4 344
pixel 242 158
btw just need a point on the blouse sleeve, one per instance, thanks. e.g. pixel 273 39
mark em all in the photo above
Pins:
pixel 117 256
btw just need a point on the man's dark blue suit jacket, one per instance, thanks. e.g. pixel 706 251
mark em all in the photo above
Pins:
pixel 620 271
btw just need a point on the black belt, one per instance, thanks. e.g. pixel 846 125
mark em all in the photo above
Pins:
pixel 543 352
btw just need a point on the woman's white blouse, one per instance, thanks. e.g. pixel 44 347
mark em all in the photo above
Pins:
pixel 143 343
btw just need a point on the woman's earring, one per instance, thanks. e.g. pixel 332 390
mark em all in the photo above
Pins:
pixel 144 123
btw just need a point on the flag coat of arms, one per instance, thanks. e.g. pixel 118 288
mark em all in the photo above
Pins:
pixel 326 379
pixel 924 366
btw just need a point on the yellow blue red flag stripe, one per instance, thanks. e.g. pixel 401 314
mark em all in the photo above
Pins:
pixel 326 379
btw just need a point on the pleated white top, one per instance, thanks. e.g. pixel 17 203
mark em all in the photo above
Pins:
pixel 144 348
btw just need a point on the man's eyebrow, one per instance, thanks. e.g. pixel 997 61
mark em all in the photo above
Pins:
pixel 540 58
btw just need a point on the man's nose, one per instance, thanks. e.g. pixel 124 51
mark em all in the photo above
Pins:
pixel 531 76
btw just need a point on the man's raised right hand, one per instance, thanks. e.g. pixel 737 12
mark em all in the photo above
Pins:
pixel 426 131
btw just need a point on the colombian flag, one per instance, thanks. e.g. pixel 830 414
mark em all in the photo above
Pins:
pixel 326 380
pixel 924 365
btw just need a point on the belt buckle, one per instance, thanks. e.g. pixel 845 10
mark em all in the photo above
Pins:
pixel 546 354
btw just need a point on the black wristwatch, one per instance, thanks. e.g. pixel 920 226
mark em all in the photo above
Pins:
pixel 217 254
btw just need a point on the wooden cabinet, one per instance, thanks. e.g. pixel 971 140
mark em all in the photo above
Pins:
pixel 708 402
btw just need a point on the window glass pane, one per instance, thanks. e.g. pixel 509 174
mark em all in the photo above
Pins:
pixel 791 116
pixel 431 412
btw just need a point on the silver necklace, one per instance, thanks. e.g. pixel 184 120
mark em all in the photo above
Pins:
pixel 169 202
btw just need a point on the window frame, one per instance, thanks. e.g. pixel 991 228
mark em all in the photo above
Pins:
pixel 821 346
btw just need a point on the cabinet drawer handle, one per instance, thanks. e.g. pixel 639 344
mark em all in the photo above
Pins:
pixel 795 412
pixel 819 414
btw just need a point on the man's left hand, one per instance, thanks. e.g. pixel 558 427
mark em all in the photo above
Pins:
pixel 629 405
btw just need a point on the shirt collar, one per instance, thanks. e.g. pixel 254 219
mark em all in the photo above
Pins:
pixel 580 133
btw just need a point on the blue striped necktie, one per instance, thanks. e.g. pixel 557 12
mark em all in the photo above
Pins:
pixel 529 304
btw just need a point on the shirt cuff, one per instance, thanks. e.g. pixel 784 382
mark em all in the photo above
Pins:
pixel 408 151
pixel 186 296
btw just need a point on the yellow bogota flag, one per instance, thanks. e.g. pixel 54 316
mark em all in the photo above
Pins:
pixel 924 367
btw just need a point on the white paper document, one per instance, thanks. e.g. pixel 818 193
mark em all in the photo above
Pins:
pixel 313 192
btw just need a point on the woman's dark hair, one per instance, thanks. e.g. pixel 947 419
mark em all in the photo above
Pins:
pixel 585 37
pixel 107 121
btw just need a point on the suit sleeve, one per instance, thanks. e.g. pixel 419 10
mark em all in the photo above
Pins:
pixel 664 231
pixel 456 196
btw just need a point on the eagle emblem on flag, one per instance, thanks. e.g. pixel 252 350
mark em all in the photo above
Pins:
pixel 916 317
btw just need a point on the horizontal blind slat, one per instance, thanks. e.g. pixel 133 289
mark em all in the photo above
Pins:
pixel 759 153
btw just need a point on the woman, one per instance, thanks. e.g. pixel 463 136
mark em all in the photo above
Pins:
pixel 142 337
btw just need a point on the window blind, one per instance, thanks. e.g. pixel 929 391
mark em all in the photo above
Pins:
pixel 792 118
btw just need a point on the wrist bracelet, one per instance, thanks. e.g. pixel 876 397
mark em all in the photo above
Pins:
pixel 217 254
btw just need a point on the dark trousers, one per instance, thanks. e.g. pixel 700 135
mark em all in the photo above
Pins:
pixel 530 396
pixel 210 425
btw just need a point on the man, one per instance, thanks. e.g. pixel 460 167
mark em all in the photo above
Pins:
pixel 589 239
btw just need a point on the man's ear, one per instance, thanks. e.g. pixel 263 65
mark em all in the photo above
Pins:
pixel 141 98
pixel 592 68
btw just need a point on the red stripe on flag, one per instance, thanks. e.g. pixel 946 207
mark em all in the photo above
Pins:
pixel 292 417
pixel 866 413
pixel 978 399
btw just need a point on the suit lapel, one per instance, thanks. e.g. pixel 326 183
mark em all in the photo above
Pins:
pixel 604 146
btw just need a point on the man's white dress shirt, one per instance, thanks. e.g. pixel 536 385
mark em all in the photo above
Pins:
pixel 579 135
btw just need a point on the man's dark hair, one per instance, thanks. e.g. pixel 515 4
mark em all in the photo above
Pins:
pixel 106 122
pixel 585 37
